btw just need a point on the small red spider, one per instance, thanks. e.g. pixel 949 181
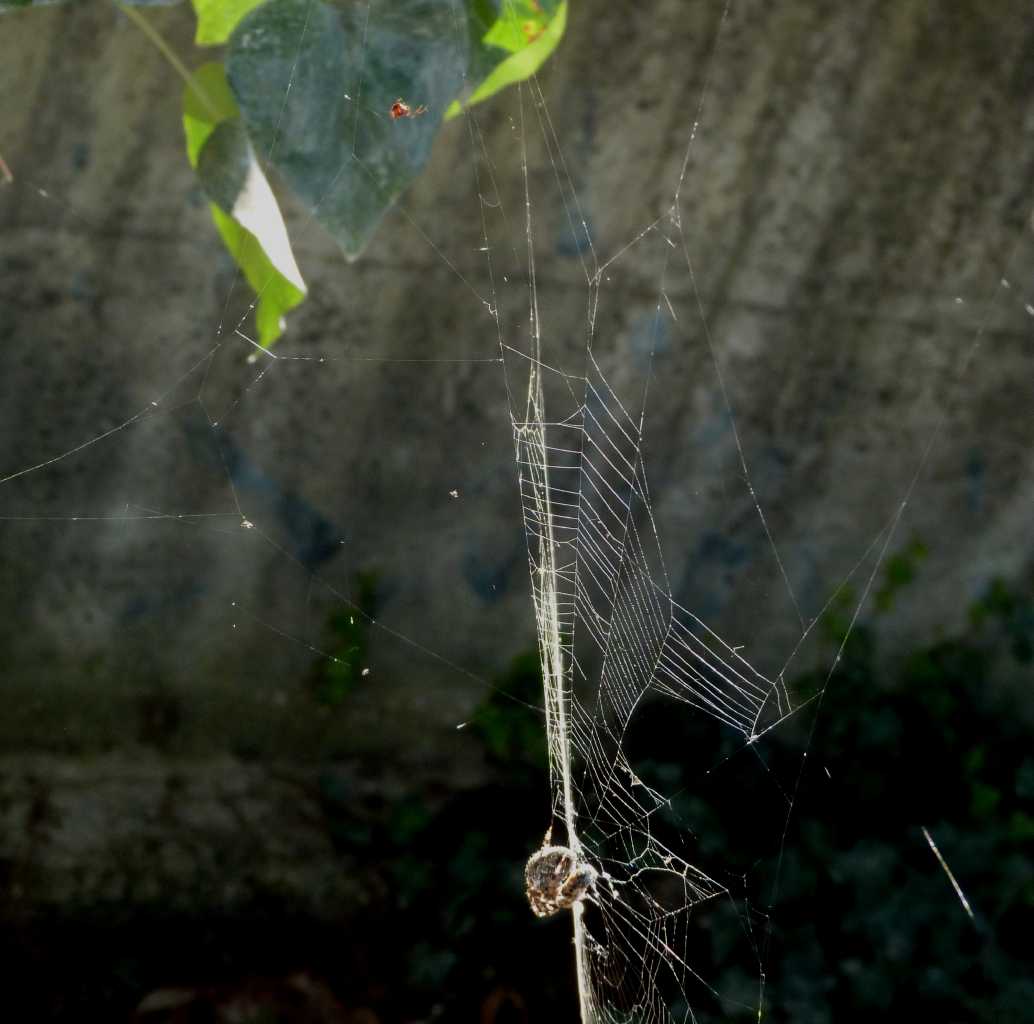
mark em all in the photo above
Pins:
pixel 400 108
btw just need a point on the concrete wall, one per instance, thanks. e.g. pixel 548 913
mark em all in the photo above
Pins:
pixel 856 190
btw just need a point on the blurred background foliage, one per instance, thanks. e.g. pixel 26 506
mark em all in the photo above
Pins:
pixel 850 917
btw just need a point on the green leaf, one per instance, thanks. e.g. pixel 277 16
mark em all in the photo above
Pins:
pixel 330 134
pixel 207 101
pixel 528 52
pixel 242 203
pixel 520 23
pixel 229 173
pixel 277 296
pixel 900 571
pixel 216 19
pixel 12 5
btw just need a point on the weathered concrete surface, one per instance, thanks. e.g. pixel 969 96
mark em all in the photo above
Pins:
pixel 856 189
pixel 145 831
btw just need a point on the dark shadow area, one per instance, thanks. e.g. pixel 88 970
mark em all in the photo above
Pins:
pixel 849 916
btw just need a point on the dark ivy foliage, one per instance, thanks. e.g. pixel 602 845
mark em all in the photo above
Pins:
pixel 852 918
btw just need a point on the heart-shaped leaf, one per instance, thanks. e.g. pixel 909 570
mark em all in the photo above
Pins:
pixel 243 206
pixel 316 85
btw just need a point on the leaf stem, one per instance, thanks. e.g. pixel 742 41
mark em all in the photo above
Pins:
pixel 169 54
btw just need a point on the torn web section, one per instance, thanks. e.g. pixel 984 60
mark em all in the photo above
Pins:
pixel 635 647
pixel 613 641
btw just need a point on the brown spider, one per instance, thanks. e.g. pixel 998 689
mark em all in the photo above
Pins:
pixel 400 108
pixel 556 879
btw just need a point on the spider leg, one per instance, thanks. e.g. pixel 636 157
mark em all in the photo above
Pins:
pixel 569 891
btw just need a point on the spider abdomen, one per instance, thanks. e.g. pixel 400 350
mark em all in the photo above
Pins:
pixel 555 879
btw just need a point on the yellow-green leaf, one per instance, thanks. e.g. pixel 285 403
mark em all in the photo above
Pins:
pixel 216 19
pixel 519 24
pixel 242 204
pixel 521 64
pixel 207 101
pixel 276 295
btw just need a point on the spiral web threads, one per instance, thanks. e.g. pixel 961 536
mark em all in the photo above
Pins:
pixel 611 635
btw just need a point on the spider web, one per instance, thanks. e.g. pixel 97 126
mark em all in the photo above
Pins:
pixel 612 636
pixel 598 603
